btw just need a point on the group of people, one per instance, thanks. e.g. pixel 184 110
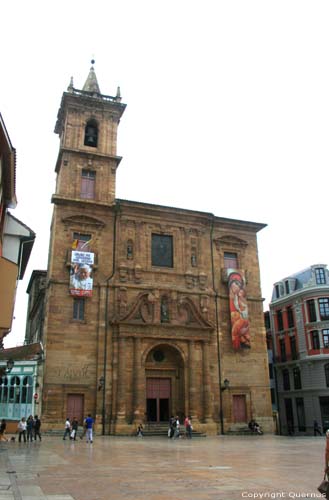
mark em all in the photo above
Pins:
pixel 174 427
pixel 27 429
pixel 71 429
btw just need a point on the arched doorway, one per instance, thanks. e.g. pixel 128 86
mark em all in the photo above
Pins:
pixel 165 395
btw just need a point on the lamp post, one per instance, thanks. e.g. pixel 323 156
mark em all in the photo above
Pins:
pixel 223 388
pixel 4 370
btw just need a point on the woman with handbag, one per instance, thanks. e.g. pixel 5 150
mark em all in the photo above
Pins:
pixel 324 486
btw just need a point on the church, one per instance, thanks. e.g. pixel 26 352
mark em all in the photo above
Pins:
pixel 148 311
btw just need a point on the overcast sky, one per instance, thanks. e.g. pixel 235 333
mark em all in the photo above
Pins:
pixel 227 112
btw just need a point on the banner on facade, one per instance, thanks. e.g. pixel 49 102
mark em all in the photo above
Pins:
pixel 238 309
pixel 81 281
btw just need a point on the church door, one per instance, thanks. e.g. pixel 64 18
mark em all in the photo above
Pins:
pixel 158 396
pixel 75 407
pixel 239 408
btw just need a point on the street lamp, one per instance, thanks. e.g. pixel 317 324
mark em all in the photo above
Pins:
pixel 223 388
pixel 101 383
pixel 4 370
pixel 226 385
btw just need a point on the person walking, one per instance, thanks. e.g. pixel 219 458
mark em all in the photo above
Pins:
pixel 74 432
pixel 177 427
pixel 188 427
pixel 326 454
pixel 316 428
pixel 37 426
pixel 22 429
pixel 29 428
pixel 89 426
pixel 67 430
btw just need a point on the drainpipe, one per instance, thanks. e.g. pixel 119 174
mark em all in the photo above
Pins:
pixel 217 328
pixel 116 211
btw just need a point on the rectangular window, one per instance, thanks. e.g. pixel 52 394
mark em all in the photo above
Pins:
pixel 290 316
pixel 300 414
pixel 324 308
pixel 272 396
pixel 325 337
pixel 80 241
pixel 88 179
pixel 286 380
pixel 293 348
pixel 326 373
pixel 315 340
pixel 297 378
pixel 277 291
pixel 286 284
pixel 283 350
pixel 320 276
pixel 162 250
pixel 311 310
pixel 230 260
pixel 270 370
pixel 79 309
pixel 280 320
pixel 267 320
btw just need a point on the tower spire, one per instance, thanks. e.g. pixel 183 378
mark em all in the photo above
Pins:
pixel 91 84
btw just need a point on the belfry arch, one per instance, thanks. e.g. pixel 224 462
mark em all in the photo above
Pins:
pixel 164 383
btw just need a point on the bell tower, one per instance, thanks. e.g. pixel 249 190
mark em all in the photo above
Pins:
pixel 87 124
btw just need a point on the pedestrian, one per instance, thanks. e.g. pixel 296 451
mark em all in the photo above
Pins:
pixel 21 427
pixel 326 454
pixel 67 429
pixel 316 428
pixel 37 426
pixel 140 430
pixel 29 428
pixel 188 427
pixel 172 425
pixel 3 426
pixel 84 429
pixel 89 426
pixel 74 432
pixel 177 427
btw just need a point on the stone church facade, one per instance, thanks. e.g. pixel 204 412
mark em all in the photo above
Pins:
pixel 150 336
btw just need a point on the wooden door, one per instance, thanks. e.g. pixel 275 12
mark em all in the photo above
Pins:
pixel 158 392
pixel 239 408
pixel 75 404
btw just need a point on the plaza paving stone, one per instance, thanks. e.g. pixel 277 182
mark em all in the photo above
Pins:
pixel 211 468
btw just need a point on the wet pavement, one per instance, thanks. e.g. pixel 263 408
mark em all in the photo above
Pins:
pixel 212 468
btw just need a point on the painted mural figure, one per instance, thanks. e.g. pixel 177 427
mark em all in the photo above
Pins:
pixel 239 311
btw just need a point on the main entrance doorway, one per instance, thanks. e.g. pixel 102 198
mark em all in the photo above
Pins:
pixel 158 396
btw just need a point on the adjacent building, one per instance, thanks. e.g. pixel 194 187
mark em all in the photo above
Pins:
pixel 16 239
pixel 299 325
pixel 146 311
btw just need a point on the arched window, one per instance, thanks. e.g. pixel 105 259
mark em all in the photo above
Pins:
pixel 326 372
pixel 15 390
pixel 91 134
pixel 4 390
pixel 27 390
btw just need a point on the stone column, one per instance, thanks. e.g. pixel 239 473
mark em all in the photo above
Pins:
pixel 121 412
pixel 206 381
pixel 192 382
pixel 139 384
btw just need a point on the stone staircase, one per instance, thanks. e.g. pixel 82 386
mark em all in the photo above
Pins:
pixel 150 430
pixel 161 430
